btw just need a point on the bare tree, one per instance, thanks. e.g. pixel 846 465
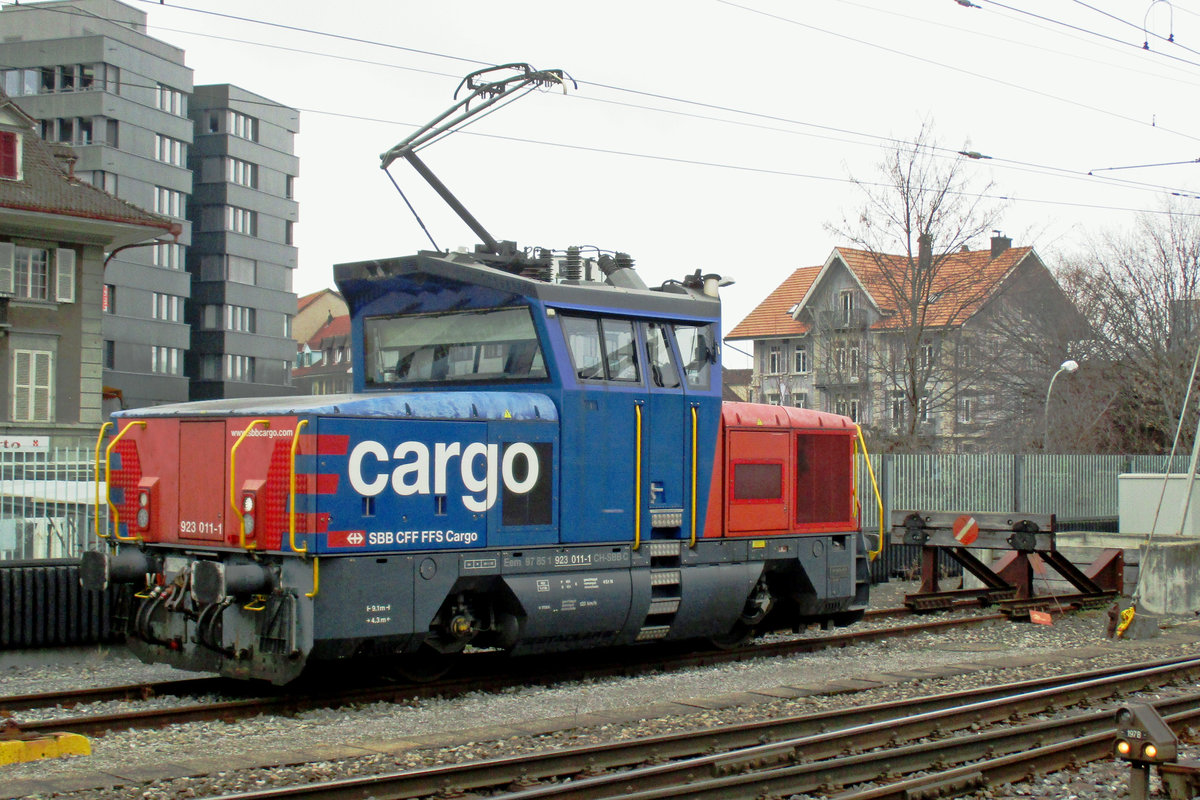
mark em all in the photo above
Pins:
pixel 922 209
pixel 1141 292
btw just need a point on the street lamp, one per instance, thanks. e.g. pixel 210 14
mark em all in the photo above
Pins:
pixel 1069 365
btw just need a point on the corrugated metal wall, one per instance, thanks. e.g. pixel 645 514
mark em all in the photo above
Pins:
pixel 43 605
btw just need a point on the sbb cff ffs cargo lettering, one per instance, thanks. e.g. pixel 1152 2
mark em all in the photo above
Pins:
pixel 535 457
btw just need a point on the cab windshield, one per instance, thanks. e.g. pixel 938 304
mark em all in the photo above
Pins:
pixel 497 344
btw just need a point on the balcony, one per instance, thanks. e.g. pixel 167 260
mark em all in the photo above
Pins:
pixel 831 319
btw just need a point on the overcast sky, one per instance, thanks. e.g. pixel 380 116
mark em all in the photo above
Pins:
pixel 704 133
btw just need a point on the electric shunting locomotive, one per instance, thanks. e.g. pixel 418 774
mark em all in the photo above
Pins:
pixel 535 457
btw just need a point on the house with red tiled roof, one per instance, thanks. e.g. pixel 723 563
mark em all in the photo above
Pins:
pixel 55 232
pixel 313 311
pixel 917 348
pixel 323 362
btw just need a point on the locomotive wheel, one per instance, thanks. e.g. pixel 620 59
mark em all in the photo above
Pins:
pixel 737 636
pixel 424 666
pixel 844 618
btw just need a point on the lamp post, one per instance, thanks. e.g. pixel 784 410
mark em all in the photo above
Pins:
pixel 1069 365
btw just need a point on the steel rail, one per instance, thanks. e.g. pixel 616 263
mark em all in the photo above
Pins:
pixel 803 737
pixel 489 671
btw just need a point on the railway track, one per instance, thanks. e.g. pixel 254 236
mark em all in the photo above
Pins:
pixel 484 672
pixel 898 749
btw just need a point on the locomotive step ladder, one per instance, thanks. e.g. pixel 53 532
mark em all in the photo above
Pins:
pixel 665 588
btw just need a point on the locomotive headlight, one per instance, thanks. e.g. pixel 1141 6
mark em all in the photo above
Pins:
pixel 143 512
pixel 1123 748
pixel 248 505
pixel 1149 751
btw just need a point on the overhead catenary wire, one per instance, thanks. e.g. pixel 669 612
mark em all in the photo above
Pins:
pixel 941 151
pixel 887 140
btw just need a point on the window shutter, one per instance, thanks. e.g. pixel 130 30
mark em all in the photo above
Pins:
pixel 64 275
pixel 41 387
pixel 21 381
pixel 10 155
pixel 8 253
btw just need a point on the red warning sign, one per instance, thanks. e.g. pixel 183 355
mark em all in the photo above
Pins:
pixel 1040 617
pixel 345 539
pixel 966 529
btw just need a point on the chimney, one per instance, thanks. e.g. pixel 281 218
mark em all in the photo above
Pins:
pixel 924 252
pixel 1000 243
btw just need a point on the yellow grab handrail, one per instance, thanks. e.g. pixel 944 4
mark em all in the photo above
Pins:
pixel 872 554
pixel 233 482
pixel 316 578
pixel 292 491
pixel 637 481
pixel 116 516
pixel 99 441
pixel 695 426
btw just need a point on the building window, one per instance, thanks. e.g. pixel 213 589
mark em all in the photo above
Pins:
pixel 847 301
pixel 853 360
pixel 20 82
pixel 239 318
pixel 289 232
pixel 171 101
pixel 241 220
pixel 108 299
pixel 897 410
pixel 241 172
pixel 31 273
pixel 966 410
pixel 287 326
pixel 168 201
pixel 839 359
pixel 289 186
pixel 923 409
pixel 775 360
pixel 243 126
pixel 101 180
pixel 926 356
pixel 210 367
pixel 854 410
pixel 839 406
pixel 10 156
pixel 800 399
pixel 168 255
pixel 170 151
pixel 112 130
pixel 32 394
pixel 239 368
pixel 110 354
pixel 241 270
pixel 801 359
pixel 166 360
pixel 167 307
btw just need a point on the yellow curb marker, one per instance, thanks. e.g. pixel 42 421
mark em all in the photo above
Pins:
pixel 54 745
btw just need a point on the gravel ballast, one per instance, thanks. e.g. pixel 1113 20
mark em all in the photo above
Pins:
pixel 210 758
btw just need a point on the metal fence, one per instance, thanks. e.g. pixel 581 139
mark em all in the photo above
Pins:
pixel 48 499
pixel 47 503
pixel 1080 489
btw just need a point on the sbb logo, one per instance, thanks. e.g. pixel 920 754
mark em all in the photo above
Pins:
pixel 417 471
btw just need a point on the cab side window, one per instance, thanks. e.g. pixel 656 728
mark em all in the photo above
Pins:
pixel 697 348
pixel 659 360
pixel 602 349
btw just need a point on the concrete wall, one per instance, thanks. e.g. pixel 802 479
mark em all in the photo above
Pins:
pixel 1138 496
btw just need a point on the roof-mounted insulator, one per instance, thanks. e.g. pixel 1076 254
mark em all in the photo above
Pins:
pixel 573 267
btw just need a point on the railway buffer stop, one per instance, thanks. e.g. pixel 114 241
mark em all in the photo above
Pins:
pixel 1144 739
pixel 1026 543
